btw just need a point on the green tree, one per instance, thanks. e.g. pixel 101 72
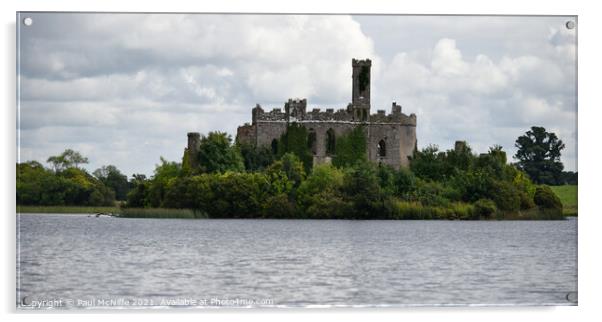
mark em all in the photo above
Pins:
pixel 67 159
pixel 30 176
pixel 71 186
pixel 111 177
pixel 430 164
pixel 291 166
pixel 539 155
pixel 217 154
pixel 58 162
pixel 139 186
pixel 361 187
pixel 238 195
pixel 157 187
pixel 256 158
pixel 320 197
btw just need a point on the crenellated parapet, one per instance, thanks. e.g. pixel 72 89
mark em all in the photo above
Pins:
pixel 396 116
pixel 296 111
pixel 274 115
pixel 390 135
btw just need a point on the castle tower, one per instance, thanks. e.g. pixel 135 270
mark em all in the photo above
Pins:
pixel 361 89
pixel 194 144
pixel 295 109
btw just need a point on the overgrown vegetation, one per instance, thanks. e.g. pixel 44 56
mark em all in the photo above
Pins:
pixel 65 186
pixel 351 148
pixel 242 181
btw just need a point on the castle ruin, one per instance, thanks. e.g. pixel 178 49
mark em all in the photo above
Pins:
pixel 391 138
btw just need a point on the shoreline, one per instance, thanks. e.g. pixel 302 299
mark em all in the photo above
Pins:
pixel 163 213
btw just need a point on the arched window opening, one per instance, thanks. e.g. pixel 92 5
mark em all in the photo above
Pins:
pixel 311 141
pixel 330 142
pixel 382 149
pixel 274 146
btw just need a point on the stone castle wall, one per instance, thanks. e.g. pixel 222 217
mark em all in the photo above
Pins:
pixel 396 130
pixel 391 138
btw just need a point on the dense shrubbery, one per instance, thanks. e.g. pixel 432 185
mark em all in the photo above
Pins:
pixel 485 208
pixel 545 198
pixel 242 181
pixel 216 154
pixel 455 184
pixel 70 186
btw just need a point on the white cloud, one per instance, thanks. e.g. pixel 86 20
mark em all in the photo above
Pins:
pixel 124 89
pixel 137 83
pixel 483 101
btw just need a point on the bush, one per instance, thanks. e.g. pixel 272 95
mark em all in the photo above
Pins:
pixel 237 195
pixel 462 211
pixel 398 209
pixel 405 182
pixel 328 206
pixel 429 193
pixel 430 164
pixel 505 196
pixel 526 201
pixel 485 208
pixel 545 198
pixel 361 187
pixel 278 206
pixel 472 185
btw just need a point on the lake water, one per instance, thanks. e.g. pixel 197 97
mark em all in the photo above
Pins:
pixel 72 261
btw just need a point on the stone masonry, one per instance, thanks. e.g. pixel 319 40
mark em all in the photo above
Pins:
pixel 391 137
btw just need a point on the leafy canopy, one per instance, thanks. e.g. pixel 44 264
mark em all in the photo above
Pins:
pixel 217 154
pixel 539 155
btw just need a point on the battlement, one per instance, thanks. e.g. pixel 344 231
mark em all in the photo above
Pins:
pixel 295 111
pixel 360 62
pixel 390 138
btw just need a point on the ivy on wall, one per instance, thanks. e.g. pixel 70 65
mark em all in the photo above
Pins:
pixel 351 147
pixel 295 140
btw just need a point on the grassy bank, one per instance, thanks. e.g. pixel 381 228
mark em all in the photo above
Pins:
pixel 65 209
pixel 568 197
pixel 160 213
pixel 401 211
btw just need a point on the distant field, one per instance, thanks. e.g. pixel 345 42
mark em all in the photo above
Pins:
pixel 65 209
pixel 568 196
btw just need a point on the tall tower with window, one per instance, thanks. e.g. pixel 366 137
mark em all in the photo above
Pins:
pixel 361 89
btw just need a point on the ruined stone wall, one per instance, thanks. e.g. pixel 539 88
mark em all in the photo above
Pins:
pixel 408 143
pixel 396 130
pixel 246 134
pixel 268 131
pixel 399 142
pixel 321 129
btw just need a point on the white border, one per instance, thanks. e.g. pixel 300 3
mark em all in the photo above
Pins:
pixel 589 156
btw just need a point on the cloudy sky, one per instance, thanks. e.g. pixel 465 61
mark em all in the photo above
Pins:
pixel 124 89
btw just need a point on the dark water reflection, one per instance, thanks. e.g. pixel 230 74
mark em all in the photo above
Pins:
pixel 295 263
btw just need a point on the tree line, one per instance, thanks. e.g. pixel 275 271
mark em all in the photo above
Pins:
pixel 243 181
pixel 65 183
